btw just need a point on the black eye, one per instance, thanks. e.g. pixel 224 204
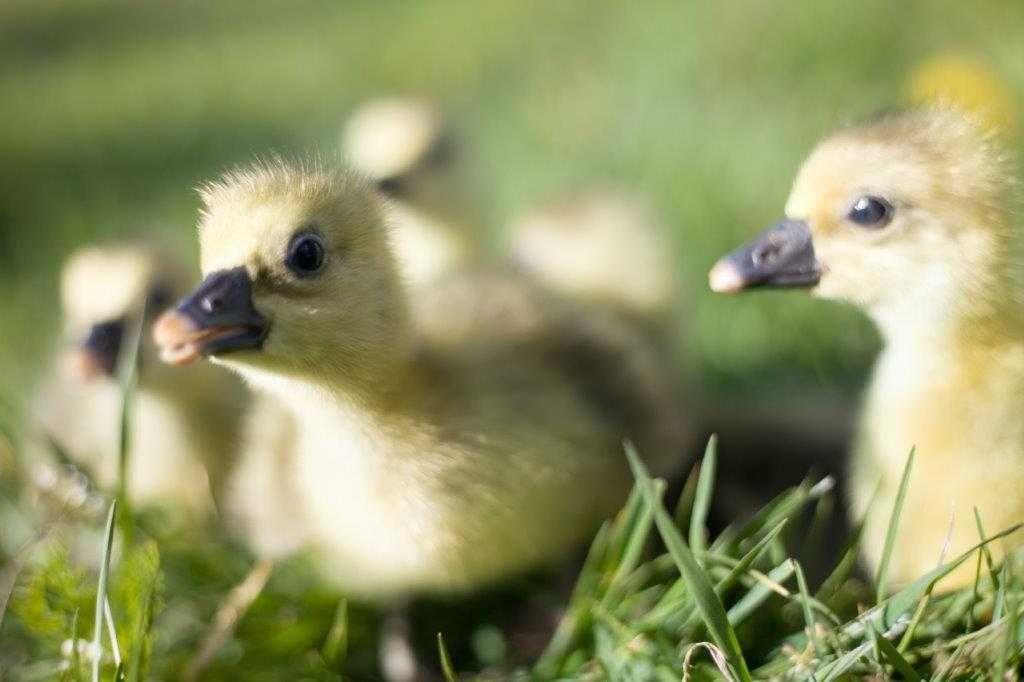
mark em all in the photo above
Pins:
pixel 869 211
pixel 392 186
pixel 305 255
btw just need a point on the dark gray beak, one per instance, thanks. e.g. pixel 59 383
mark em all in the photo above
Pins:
pixel 218 317
pixel 98 354
pixel 782 256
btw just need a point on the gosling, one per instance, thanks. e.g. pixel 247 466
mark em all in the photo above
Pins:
pixel 182 424
pixel 423 461
pixel 910 218
pixel 605 247
pixel 407 148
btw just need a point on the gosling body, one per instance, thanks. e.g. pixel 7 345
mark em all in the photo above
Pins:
pixel 911 218
pixel 445 440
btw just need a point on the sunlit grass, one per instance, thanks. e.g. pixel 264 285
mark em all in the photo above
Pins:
pixel 738 609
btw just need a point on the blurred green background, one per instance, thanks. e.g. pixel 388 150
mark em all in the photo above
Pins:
pixel 112 112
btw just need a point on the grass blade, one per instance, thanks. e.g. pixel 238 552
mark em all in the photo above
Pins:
pixel 446 660
pixel 128 374
pixel 708 603
pixel 335 646
pixel 992 571
pixel 634 547
pixel 702 497
pixel 101 593
pixel 890 533
pixel 138 656
pixel 805 602
pixel 898 605
pixel 115 649
pixel 839 575
pixel 896 659
pixel 760 592
pixel 577 614
pixel 1009 642
pixel 235 605
pixel 741 567
pixel 684 505
pixel 842 664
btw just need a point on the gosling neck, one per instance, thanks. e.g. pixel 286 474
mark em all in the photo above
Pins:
pixel 369 375
pixel 954 314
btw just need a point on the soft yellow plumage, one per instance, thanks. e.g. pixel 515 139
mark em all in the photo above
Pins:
pixel 603 246
pixel 938 271
pixel 408 150
pixel 183 425
pixel 443 441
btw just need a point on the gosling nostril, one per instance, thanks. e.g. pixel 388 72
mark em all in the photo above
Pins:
pixel 766 253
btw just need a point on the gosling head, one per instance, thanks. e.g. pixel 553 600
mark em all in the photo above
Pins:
pixel 299 279
pixel 404 147
pixel 107 291
pixel 907 211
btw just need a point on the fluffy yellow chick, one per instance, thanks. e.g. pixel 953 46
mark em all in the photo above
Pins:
pixel 605 247
pixel 910 218
pixel 406 148
pixel 422 460
pixel 968 83
pixel 183 424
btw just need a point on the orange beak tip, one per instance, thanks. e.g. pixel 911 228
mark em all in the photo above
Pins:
pixel 81 364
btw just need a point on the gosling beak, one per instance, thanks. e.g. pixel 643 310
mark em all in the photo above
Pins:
pixel 782 256
pixel 97 355
pixel 217 318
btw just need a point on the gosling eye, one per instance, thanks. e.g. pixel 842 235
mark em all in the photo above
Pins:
pixel 871 212
pixel 306 255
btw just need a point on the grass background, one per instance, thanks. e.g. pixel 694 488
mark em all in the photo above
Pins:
pixel 112 111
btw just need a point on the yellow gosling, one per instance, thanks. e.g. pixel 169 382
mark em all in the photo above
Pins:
pixel 421 460
pixel 183 424
pixel 967 82
pixel 606 247
pixel 407 149
pixel 911 218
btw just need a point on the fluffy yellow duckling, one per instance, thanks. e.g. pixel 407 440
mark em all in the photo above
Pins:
pixel 910 218
pixel 406 148
pixel 968 83
pixel 183 424
pixel 605 247
pixel 423 461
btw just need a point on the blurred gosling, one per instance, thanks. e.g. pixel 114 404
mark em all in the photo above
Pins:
pixel 419 465
pixel 183 424
pixel 911 218
pixel 605 247
pixel 408 150
pixel 967 82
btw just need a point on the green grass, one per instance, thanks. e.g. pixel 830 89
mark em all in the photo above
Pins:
pixel 734 610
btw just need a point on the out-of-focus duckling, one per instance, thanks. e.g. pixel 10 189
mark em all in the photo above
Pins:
pixel 606 247
pixel 183 424
pixel 970 84
pixel 407 149
pixel 910 217
pixel 420 465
